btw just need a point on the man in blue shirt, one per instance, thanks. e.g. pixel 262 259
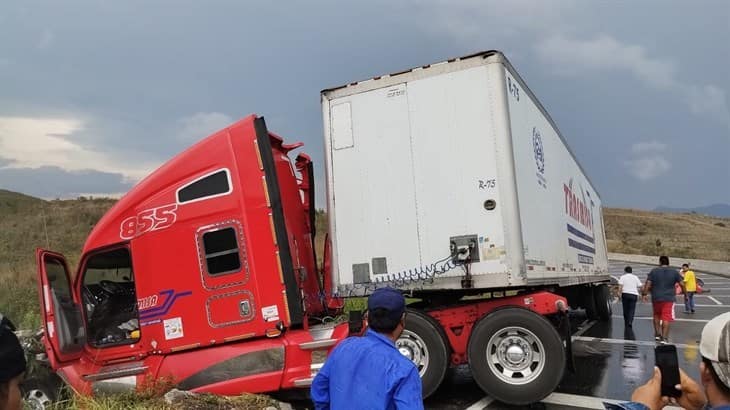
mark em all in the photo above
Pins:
pixel 714 375
pixel 369 372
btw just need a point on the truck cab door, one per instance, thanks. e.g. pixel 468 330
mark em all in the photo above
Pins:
pixel 62 322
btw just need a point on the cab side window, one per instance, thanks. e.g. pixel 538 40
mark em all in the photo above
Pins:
pixel 221 251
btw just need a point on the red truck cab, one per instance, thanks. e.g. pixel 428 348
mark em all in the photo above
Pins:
pixel 204 273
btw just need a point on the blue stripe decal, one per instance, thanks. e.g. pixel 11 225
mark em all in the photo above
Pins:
pixel 580 234
pixel 167 293
pixel 165 308
pixel 580 246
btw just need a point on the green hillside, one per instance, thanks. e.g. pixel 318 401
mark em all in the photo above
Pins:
pixel 27 223
pixel 62 225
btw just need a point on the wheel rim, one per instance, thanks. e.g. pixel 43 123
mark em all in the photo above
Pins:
pixel 515 355
pixel 414 348
pixel 37 400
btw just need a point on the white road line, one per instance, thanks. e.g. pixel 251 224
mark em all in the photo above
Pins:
pixel 698 305
pixel 584 328
pixel 588 402
pixel 627 342
pixel 717 302
pixel 574 400
pixel 481 404
pixel 676 320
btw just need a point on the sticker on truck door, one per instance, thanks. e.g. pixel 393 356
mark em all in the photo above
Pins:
pixel 173 328
pixel 270 313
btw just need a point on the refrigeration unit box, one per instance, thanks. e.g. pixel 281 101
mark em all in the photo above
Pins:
pixel 452 176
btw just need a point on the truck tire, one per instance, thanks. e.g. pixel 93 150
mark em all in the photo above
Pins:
pixel 602 300
pixel 588 302
pixel 516 356
pixel 39 394
pixel 422 342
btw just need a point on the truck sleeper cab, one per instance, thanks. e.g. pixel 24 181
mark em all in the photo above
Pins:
pixel 204 273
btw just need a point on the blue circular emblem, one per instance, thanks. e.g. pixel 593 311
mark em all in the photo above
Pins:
pixel 539 151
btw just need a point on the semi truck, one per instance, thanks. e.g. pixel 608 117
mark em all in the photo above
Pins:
pixel 448 181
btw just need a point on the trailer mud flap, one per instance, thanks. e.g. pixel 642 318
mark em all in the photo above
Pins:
pixel 277 210
pixel 566 335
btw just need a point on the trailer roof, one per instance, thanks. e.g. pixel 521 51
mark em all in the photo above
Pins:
pixel 452 64
pixel 388 79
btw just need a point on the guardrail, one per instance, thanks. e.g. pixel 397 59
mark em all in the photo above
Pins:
pixel 714 267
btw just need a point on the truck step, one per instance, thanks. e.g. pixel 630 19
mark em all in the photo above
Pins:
pixel 318 344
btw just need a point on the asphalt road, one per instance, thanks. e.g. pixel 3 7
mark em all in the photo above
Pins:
pixel 610 362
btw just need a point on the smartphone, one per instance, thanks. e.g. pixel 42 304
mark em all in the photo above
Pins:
pixel 665 357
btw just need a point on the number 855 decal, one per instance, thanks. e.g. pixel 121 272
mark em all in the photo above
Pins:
pixel 148 220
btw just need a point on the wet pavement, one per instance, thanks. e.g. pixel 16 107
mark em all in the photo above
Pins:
pixel 610 361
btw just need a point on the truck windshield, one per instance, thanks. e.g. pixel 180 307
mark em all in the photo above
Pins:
pixel 110 299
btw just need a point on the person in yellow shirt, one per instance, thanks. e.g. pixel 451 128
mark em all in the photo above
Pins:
pixel 690 287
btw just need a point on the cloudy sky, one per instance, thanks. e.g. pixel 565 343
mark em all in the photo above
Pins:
pixel 94 95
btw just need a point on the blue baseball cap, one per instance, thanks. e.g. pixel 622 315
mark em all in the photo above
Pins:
pixel 389 299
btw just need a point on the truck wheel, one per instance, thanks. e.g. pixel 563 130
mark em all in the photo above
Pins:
pixel 588 302
pixel 516 356
pixel 602 300
pixel 38 395
pixel 422 343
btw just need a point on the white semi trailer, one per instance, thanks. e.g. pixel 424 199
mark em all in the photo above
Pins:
pixel 451 182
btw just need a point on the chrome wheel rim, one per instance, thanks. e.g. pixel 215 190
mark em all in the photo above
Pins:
pixel 515 355
pixel 37 399
pixel 414 348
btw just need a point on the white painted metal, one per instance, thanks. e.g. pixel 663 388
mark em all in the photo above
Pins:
pixel 560 210
pixel 412 158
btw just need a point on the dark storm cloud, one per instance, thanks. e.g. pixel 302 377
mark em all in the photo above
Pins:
pixel 149 78
pixel 54 182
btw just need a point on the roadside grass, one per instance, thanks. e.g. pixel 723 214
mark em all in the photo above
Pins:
pixel 27 223
pixel 134 401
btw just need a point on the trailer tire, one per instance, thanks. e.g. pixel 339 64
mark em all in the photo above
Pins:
pixel 602 300
pixel 589 303
pixel 516 356
pixel 423 342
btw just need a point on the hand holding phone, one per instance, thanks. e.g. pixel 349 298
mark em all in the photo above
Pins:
pixel 665 357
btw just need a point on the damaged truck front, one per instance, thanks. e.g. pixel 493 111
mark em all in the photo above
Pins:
pixel 204 274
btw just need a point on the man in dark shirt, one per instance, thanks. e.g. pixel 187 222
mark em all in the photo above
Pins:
pixel 661 283
pixel 369 372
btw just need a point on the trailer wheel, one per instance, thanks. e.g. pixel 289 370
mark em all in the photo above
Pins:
pixel 423 343
pixel 602 300
pixel 516 356
pixel 588 302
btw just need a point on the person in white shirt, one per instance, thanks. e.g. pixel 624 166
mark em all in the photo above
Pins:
pixel 628 286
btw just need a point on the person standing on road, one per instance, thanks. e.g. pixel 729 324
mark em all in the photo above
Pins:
pixel 628 286
pixel 690 288
pixel 714 394
pixel 661 282
pixel 369 372
pixel 12 367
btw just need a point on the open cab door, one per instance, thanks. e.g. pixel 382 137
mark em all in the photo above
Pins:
pixel 62 322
